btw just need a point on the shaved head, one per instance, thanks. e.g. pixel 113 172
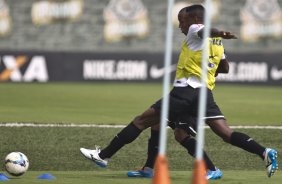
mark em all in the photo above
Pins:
pixel 196 11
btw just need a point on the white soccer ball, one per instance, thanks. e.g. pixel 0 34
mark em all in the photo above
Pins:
pixel 16 163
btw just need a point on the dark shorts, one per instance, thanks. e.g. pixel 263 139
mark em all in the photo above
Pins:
pixel 190 125
pixel 183 106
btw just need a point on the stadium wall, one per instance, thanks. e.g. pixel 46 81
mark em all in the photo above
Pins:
pixel 58 25
pixel 94 40
pixel 135 67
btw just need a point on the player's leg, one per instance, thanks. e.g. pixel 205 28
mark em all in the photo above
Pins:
pixel 189 143
pixel 220 127
pixel 241 140
pixel 125 136
pixel 153 146
pixel 215 119
pixel 152 152
pixel 218 124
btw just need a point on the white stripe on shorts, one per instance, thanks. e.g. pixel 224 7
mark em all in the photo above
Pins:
pixel 214 117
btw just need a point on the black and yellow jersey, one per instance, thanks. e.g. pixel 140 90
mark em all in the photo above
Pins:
pixel 189 65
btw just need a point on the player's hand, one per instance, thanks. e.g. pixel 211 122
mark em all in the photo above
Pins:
pixel 227 35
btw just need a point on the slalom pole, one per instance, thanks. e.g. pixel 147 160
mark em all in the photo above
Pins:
pixel 199 173
pixel 161 173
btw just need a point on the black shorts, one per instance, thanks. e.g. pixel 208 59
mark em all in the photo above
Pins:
pixel 190 125
pixel 183 105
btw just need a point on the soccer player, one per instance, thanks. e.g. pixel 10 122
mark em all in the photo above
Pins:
pixel 191 24
pixel 185 95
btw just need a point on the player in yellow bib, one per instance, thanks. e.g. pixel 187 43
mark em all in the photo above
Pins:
pixel 184 99
pixel 188 76
pixel 188 72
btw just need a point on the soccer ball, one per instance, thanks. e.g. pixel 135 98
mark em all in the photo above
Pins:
pixel 16 163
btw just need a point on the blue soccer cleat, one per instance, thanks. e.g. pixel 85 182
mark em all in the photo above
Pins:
pixel 93 155
pixel 270 159
pixel 214 175
pixel 145 172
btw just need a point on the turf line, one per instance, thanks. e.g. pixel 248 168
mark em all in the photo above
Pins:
pixel 56 125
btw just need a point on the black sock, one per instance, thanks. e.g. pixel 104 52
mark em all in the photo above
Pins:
pixel 245 142
pixel 125 136
pixel 190 144
pixel 153 148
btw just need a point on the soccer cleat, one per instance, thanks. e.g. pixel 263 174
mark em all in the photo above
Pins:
pixel 214 175
pixel 94 156
pixel 145 172
pixel 270 159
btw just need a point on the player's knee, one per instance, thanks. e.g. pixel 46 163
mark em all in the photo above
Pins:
pixel 221 128
pixel 226 135
pixel 142 122
pixel 147 119
pixel 139 123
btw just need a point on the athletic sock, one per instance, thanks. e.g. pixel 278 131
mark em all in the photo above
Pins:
pixel 190 145
pixel 245 142
pixel 153 148
pixel 125 136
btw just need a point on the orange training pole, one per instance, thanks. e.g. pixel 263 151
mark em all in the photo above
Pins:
pixel 161 172
pixel 199 173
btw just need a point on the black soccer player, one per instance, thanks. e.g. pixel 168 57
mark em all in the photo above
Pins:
pixel 185 95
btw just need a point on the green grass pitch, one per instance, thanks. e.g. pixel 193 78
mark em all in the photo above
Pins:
pixel 117 103
pixel 56 150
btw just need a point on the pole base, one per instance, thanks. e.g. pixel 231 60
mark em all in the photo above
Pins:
pixel 199 173
pixel 161 173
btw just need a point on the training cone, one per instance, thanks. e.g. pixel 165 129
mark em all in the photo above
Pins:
pixel 3 177
pixel 199 173
pixel 161 173
pixel 46 176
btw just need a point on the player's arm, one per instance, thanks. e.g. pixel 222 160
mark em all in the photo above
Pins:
pixel 223 67
pixel 216 33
